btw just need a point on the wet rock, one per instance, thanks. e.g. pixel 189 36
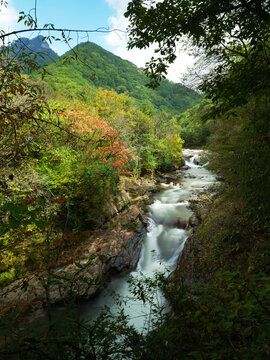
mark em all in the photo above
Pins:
pixel 117 247
pixel 144 220
pixel 140 199
pixel 170 177
pixel 129 253
pixel 150 187
pixel 134 187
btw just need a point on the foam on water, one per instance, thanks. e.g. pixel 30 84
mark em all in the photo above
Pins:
pixel 164 241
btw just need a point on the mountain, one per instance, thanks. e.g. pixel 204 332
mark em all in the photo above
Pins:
pixel 89 66
pixel 37 46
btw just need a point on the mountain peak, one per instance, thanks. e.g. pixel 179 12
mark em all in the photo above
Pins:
pixel 39 42
pixel 36 46
pixel 98 67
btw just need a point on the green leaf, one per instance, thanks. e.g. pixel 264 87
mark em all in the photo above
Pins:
pixel 79 265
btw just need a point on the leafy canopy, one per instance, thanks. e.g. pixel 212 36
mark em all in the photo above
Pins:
pixel 96 67
pixel 217 27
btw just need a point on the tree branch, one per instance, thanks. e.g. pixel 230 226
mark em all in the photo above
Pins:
pixel 256 9
pixel 98 30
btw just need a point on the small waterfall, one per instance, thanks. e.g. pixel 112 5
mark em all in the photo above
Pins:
pixel 168 216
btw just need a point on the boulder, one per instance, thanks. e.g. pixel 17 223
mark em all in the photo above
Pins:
pixel 115 247
pixel 129 250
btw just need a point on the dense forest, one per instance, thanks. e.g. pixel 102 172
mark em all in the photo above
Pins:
pixel 92 66
pixel 76 129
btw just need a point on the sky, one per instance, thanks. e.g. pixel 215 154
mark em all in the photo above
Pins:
pixel 90 15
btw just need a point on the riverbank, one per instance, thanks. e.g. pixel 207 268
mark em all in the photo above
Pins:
pixel 224 239
pixel 168 217
pixel 187 270
pixel 81 270
pixel 116 246
pixel 219 293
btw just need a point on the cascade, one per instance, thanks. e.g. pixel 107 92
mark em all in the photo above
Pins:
pixel 164 241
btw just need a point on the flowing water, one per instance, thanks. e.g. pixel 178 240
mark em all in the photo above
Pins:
pixel 165 239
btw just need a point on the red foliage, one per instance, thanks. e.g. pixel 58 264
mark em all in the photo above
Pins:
pixel 106 144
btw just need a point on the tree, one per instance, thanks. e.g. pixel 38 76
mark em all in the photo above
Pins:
pixel 220 28
pixel 234 35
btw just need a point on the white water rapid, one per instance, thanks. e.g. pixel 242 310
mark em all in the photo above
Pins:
pixel 165 239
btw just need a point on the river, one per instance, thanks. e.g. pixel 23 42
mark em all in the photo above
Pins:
pixel 164 241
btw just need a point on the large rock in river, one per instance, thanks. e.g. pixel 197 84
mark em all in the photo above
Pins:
pixel 115 248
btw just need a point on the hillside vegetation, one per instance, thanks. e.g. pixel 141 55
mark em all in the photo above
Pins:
pixel 62 157
pixel 68 141
pixel 91 66
pixel 220 298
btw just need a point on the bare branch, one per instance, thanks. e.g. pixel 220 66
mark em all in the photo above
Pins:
pixel 98 30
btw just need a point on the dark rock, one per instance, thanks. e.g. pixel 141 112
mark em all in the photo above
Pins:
pixel 129 253
pixel 193 221
pixel 181 224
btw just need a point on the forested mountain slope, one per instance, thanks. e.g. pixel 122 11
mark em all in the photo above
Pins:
pixel 91 65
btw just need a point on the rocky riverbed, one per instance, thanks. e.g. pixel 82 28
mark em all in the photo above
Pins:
pixel 170 223
pixel 114 247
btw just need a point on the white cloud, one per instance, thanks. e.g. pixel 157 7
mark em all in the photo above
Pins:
pixel 8 17
pixel 117 22
pixel 118 41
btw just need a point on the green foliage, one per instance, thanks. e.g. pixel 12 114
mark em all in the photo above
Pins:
pixel 153 139
pixel 71 166
pixel 71 338
pixel 230 319
pixel 195 131
pixel 236 82
pixel 169 146
pixel 95 67
pixel 227 315
pixel 244 146
pixel 210 26
pixel 61 165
